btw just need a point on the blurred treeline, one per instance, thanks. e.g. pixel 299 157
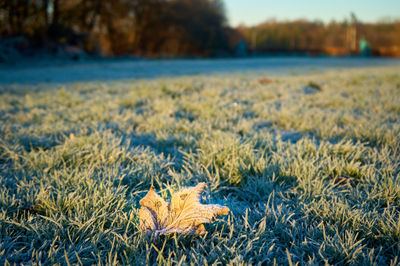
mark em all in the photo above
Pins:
pixel 335 38
pixel 120 27
pixel 171 28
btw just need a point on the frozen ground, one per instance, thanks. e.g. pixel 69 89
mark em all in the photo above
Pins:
pixel 308 164
pixel 120 69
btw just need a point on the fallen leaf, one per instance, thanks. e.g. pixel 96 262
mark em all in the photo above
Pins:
pixel 377 109
pixel 185 214
pixel 264 81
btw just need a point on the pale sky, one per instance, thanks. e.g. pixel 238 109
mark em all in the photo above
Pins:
pixel 251 12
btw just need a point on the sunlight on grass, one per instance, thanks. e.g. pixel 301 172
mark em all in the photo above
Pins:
pixel 311 175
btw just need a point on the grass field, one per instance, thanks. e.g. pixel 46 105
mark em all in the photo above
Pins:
pixel 308 164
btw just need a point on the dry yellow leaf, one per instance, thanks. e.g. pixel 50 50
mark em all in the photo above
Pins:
pixel 185 214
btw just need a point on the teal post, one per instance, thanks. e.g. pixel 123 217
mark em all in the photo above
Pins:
pixel 365 48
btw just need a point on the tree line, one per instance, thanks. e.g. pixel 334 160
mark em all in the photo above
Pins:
pixel 171 28
pixel 117 27
pixel 315 37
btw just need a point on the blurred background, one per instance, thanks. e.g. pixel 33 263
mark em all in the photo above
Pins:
pixel 197 28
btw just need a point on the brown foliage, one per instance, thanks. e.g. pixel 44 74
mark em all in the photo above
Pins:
pixel 317 37
pixel 143 27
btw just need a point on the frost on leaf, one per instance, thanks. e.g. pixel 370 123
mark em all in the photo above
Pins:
pixel 185 214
